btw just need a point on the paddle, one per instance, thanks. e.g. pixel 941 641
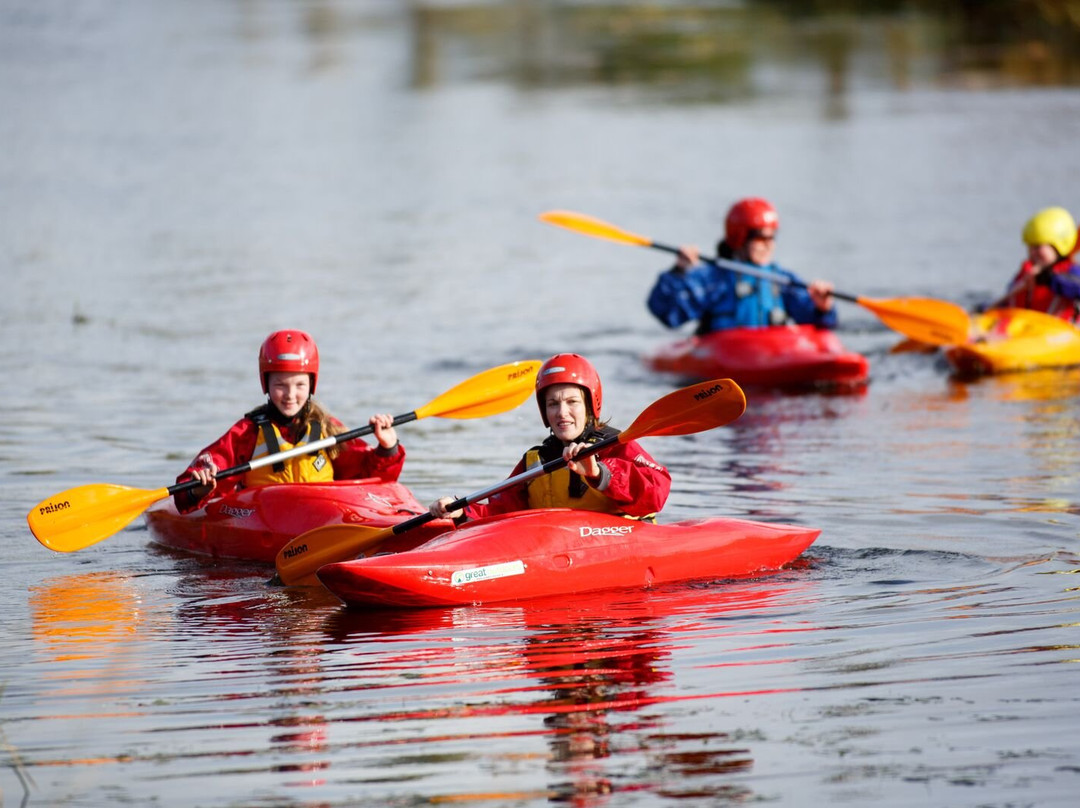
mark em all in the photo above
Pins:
pixel 936 322
pixel 82 516
pixel 696 408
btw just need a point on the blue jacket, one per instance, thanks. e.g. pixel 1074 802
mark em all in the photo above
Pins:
pixel 720 299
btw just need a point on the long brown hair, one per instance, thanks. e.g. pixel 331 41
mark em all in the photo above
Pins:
pixel 313 412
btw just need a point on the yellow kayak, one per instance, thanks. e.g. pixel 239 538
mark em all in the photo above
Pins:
pixel 1009 340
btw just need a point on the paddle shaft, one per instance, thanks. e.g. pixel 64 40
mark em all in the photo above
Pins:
pixel 750 269
pixel 509 482
pixel 924 319
pixel 307 448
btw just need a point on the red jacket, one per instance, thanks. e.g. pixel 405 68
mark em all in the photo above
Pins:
pixel 356 459
pixel 1057 294
pixel 637 483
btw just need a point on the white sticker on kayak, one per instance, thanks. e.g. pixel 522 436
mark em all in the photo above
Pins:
pixel 462 577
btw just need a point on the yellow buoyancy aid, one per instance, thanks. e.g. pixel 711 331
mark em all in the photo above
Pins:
pixel 553 491
pixel 307 468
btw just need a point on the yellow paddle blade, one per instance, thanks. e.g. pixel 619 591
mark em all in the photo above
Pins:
pixel 591 226
pixel 298 560
pixel 79 517
pixel 934 322
pixel 494 391
pixel 696 408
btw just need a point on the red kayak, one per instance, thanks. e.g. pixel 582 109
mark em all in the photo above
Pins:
pixel 783 356
pixel 559 551
pixel 253 524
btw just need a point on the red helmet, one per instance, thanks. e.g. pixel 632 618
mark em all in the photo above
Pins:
pixel 746 215
pixel 289 351
pixel 570 368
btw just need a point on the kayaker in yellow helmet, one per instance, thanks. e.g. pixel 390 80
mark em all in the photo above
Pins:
pixel 719 297
pixel 288 372
pixel 620 479
pixel 1048 280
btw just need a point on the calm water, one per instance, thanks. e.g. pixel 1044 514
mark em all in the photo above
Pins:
pixel 179 179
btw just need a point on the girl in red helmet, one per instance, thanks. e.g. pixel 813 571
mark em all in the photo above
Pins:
pixel 720 298
pixel 621 479
pixel 289 371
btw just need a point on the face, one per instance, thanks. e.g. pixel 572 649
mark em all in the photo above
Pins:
pixel 759 246
pixel 1042 255
pixel 566 410
pixel 289 392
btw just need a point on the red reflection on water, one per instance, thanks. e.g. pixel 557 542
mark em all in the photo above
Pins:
pixel 587 665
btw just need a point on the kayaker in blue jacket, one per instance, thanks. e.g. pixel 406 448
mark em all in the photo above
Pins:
pixel 720 298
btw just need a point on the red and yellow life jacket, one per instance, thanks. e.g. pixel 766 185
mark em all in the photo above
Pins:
pixel 553 490
pixel 564 489
pixel 315 467
pixel 1041 298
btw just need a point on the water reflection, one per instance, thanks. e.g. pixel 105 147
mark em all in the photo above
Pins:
pixel 85 624
pixel 89 631
pixel 1038 415
pixel 765 452
pixel 594 669
pixel 1056 385
pixel 270 635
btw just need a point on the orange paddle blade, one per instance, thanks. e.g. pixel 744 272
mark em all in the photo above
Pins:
pixel 79 517
pixel 696 408
pixel 298 560
pixel 935 322
pixel 591 226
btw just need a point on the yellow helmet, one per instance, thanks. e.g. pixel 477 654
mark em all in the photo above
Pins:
pixel 1053 226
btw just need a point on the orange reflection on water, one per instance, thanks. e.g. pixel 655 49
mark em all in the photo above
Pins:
pixel 86 626
pixel 84 616
pixel 1056 386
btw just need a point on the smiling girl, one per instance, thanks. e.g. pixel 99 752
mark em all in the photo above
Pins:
pixel 289 372
pixel 621 479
